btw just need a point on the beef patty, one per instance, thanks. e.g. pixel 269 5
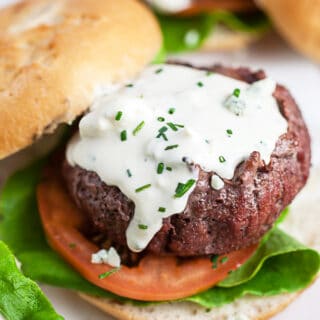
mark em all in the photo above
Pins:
pixel 214 221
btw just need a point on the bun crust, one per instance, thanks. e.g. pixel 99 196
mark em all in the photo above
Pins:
pixel 248 307
pixel 298 22
pixel 55 56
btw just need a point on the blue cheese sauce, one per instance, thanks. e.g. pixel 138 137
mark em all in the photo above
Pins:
pixel 146 137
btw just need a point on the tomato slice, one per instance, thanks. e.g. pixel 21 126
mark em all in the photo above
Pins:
pixel 154 279
pixel 205 6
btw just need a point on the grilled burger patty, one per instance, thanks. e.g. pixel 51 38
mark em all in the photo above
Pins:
pixel 214 221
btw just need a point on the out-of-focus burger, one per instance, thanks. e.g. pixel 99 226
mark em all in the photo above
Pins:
pixel 171 185
pixel 209 24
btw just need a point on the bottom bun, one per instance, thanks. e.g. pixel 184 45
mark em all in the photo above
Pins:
pixel 246 308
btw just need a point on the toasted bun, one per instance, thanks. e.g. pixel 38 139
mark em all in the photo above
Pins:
pixel 56 55
pixel 249 307
pixel 298 22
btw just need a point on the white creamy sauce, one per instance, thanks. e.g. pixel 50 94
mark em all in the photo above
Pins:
pixel 216 182
pixel 170 6
pixel 183 116
pixel 110 257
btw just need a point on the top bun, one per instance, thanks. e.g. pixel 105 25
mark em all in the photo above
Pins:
pixel 298 22
pixel 55 56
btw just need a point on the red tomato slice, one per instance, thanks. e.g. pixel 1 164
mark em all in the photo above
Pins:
pixel 154 279
pixel 205 6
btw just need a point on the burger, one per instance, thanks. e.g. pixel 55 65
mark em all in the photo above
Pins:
pixel 164 196
pixel 209 24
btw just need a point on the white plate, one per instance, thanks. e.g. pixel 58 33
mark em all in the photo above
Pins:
pixel 303 79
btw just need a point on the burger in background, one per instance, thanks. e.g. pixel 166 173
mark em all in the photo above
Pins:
pixel 209 24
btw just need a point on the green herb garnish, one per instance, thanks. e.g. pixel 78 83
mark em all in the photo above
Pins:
pixel 108 273
pixel 175 126
pixel 130 85
pixel 222 159
pixel 161 132
pixel 138 128
pixel 200 84
pixel 162 209
pixel 129 173
pixel 118 115
pixel 158 71
pixel 123 135
pixel 229 132
pixel 171 110
pixel 161 119
pixel 209 73
pixel 236 92
pixel 173 146
pixel 146 186
pixel 224 260
pixel 160 168
pixel 183 188
pixel 214 261
pixel 169 168
pixel 143 226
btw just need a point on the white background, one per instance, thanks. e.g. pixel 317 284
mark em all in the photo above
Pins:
pixel 303 79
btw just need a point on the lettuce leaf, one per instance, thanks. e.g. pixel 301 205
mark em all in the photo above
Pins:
pixel 175 30
pixel 281 264
pixel 20 297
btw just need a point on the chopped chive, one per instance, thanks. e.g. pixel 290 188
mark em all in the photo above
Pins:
pixel 229 132
pixel 160 168
pixel 72 245
pixel 129 173
pixel 236 92
pixel 179 125
pixel 161 119
pixel 173 146
pixel 146 186
pixel 108 273
pixel 222 159
pixel 118 115
pixel 138 128
pixel 207 141
pixel 163 129
pixel 183 188
pixel 143 226
pixel 123 135
pixel 158 71
pixel 161 133
pixel 200 84
pixel 172 126
pixel 214 261
pixel 224 260
pixel 162 209
pixel 169 168
pixel 130 85
pixel 171 110
pixel 209 73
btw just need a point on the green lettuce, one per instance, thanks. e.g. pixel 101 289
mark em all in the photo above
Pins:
pixel 20 297
pixel 281 264
pixel 176 29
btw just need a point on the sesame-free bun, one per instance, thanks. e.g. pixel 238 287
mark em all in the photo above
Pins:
pixel 298 22
pixel 248 307
pixel 55 56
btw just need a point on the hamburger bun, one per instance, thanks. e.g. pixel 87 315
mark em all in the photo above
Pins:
pixel 248 307
pixel 298 23
pixel 56 55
